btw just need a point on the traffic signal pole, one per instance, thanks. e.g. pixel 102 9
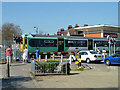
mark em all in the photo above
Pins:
pixel 109 47
pixel 114 47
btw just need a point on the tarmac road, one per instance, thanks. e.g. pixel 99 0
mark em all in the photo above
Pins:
pixel 100 76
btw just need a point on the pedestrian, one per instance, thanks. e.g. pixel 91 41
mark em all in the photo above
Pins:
pixel 37 53
pixel 9 55
pixel 25 55
pixel 103 52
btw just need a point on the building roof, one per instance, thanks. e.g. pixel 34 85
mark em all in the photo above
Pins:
pixel 97 26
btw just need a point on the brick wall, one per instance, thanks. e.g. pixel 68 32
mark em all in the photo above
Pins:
pixel 119 35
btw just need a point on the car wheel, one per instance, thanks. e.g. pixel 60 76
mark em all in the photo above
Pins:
pixel 107 62
pixel 88 60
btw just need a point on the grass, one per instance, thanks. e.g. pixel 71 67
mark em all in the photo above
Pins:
pixel 2 62
pixel 79 69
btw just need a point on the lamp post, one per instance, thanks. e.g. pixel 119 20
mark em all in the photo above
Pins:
pixel 86 33
pixel 36 29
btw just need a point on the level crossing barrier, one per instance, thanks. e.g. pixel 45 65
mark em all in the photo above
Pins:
pixel 60 55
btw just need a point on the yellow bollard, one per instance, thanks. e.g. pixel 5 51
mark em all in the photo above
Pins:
pixel 79 63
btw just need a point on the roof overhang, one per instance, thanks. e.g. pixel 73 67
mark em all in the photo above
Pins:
pixel 86 27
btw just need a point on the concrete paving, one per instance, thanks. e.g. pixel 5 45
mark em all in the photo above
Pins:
pixel 19 76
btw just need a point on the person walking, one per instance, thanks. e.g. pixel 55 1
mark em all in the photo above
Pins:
pixel 9 55
pixel 37 53
pixel 103 52
pixel 25 55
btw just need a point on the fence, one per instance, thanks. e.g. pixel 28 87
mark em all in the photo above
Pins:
pixel 47 68
pixel 0 54
pixel 15 50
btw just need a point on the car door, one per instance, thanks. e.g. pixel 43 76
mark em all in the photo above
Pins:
pixel 115 59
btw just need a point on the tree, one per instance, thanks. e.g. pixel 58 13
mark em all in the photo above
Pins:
pixel 8 30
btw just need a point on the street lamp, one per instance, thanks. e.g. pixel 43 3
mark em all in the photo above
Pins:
pixel 86 33
pixel 36 29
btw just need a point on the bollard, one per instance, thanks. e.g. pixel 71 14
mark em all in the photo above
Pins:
pixel 53 56
pixel 8 69
pixel 45 57
pixel 39 57
pixel 70 58
pixel 79 63
pixel 61 58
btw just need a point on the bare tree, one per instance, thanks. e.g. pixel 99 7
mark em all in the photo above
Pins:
pixel 8 29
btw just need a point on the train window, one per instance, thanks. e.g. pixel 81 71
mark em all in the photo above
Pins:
pixel 70 43
pixel 81 43
pixel 49 43
pixel 43 43
pixel 33 43
pixel 101 43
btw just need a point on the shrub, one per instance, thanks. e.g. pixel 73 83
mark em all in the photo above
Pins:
pixel 79 69
pixel 47 67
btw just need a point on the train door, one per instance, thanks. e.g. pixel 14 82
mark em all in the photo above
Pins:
pixel 90 44
pixel 60 45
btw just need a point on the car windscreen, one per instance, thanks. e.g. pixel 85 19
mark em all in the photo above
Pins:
pixel 93 52
pixel 116 55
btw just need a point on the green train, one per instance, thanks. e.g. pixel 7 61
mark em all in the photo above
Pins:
pixel 63 44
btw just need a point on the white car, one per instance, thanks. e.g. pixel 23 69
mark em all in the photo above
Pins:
pixel 89 56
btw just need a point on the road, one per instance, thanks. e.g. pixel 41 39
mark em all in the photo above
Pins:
pixel 100 76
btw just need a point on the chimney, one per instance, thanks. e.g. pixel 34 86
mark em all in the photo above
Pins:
pixel 62 29
pixel 69 26
pixel 85 25
pixel 76 25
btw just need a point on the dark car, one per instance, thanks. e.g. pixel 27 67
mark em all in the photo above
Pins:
pixel 114 59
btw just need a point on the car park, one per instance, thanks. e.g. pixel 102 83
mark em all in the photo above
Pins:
pixel 90 55
pixel 113 59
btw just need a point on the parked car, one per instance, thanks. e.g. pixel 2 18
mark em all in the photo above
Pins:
pixel 114 59
pixel 89 56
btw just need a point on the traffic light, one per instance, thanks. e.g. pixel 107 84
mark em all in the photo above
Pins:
pixel 112 41
pixel 17 39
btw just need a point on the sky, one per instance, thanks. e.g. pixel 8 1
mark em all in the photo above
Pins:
pixel 49 17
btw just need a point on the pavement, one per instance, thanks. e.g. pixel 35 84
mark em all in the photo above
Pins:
pixel 20 76
pixel 100 76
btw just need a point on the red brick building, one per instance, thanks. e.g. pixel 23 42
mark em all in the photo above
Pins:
pixel 92 31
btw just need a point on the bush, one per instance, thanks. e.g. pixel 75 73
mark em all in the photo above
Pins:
pixel 47 67
pixel 79 69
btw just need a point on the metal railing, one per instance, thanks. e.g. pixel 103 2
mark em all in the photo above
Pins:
pixel 47 68
pixel 15 50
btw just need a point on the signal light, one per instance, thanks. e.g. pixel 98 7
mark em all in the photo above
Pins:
pixel 17 39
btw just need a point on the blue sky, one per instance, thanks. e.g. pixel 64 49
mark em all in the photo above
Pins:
pixel 51 16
